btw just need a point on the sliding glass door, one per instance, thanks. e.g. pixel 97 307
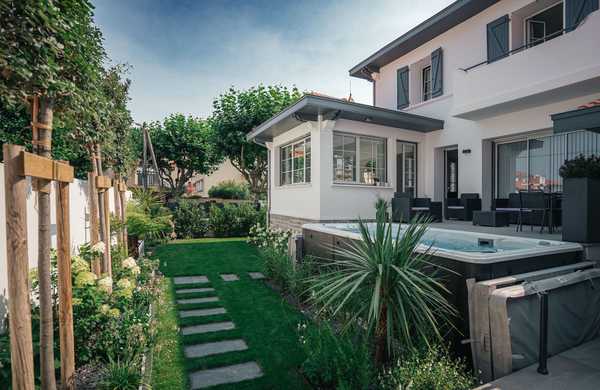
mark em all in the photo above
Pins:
pixel 533 163
pixel 406 167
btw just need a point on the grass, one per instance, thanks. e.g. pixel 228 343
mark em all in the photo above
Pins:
pixel 168 370
pixel 262 318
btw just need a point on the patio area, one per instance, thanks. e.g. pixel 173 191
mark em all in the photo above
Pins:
pixel 503 230
pixel 574 369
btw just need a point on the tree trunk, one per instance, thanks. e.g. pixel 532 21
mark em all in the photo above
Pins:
pixel 94 222
pixel 381 352
pixel 117 198
pixel 43 147
pixel 102 207
pixel 124 221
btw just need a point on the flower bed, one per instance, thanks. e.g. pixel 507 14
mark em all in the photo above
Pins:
pixel 112 324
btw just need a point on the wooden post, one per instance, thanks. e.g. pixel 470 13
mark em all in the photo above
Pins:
pixel 21 345
pixel 94 223
pixel 65 295
pixel 107 234
pixel 122 191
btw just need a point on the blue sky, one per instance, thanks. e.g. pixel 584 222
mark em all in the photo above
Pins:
pixel 186 52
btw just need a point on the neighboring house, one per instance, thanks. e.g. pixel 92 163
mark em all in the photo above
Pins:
pixel 464 102
pixel 199 185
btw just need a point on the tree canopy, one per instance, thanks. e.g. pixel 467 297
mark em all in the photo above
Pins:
pixel 236 113
pixel 183 148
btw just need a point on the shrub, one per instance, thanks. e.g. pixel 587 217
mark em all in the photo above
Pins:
pixel 264 237
pixel 229 189
pixel 118 375
pixel 190 219
pixel 233 220
pixel 147 218
pixel 581 166
pixel 335 361
pixel 431 369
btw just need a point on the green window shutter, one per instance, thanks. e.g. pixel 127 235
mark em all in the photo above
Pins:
pixel 437 71
pixel 497 39
pixel 402 87
pixel 577 10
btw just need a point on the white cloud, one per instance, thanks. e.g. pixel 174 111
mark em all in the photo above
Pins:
pixel 313 50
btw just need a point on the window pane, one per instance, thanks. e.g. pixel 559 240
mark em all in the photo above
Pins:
pixel 344 158
pixel 372 161
pixel 512 168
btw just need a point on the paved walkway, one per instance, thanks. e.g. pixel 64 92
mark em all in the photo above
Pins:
pixel 226 374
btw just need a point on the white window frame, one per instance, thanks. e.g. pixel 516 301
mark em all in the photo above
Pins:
pixel 357 138
pixel 426 94
pixel 305 168
pixel 528 44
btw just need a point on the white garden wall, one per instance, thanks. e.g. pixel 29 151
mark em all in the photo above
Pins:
pixel 80 231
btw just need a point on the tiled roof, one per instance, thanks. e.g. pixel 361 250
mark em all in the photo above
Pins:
pixel 591 104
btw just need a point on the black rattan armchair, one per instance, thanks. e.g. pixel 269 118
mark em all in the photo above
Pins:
pixel 462 208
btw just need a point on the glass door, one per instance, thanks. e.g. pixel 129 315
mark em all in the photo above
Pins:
pixel 406 168
pixel 451 168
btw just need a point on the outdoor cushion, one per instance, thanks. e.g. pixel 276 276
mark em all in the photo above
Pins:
pixel 507 209
pixel 456 207
pixel 420 208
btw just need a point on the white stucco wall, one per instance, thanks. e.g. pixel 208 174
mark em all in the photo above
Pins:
pixel 522 76
pixel 79 229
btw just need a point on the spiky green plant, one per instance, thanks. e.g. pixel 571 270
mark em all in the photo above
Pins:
pixel 384 281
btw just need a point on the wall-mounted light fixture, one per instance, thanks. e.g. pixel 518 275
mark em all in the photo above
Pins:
pixel 466 151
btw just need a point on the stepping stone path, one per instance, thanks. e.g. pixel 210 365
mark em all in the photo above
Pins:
pixel 207 349
pixel 202 312
pixel 197 300
pixel 207 328
pixel 227 374
pixel 220 375
pixel 190 279
pixel 230 277
pixel 195 290
pixel 256 275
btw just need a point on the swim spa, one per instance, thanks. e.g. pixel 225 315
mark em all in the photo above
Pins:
pixel 469 255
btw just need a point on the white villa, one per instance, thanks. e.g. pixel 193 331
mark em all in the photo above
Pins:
pixel 485 97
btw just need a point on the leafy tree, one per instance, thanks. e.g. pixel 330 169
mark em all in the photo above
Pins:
pixel 235 114
pixel 183 148
pixel 51 50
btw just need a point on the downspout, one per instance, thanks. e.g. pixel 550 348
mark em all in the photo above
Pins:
pixel 263 144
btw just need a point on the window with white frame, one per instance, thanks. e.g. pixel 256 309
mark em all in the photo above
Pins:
pixel 359 159
pixel 294 162
pixel 200 185
pixel 426 83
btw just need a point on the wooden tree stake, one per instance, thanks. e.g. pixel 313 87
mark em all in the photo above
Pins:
pixel 65 294
pixel 94 222
pixel 21 351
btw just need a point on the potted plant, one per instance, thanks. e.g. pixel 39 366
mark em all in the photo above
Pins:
pixel 580 206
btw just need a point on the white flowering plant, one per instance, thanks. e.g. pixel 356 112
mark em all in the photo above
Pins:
pixel 264 237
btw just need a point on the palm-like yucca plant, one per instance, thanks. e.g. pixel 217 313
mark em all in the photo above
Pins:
pixel 383 281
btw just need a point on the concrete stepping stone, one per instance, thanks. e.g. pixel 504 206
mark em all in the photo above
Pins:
pixel 202 312
pixel 230 277
pixel 256 275
pixel 215 348
pixel 190 279
pixel 197 300
pixel 194 290
pixel 207 328
pixel 223 375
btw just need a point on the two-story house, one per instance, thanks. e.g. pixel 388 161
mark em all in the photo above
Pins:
pixel 462 103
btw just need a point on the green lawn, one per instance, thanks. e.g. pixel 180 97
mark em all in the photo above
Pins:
pixel 265 321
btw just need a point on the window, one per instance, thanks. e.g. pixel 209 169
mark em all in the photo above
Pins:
pixel 406 161
pixel 533 163
pixel 426 79
pixel 359 159
pixel 545 25
pixel 200 185
pixel 294 162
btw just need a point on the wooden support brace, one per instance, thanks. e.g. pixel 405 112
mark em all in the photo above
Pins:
pixel 103 182
pixel 19 309
pixel 29 164
pixel 65 290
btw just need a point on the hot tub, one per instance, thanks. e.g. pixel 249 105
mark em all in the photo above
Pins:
pixel 469 255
